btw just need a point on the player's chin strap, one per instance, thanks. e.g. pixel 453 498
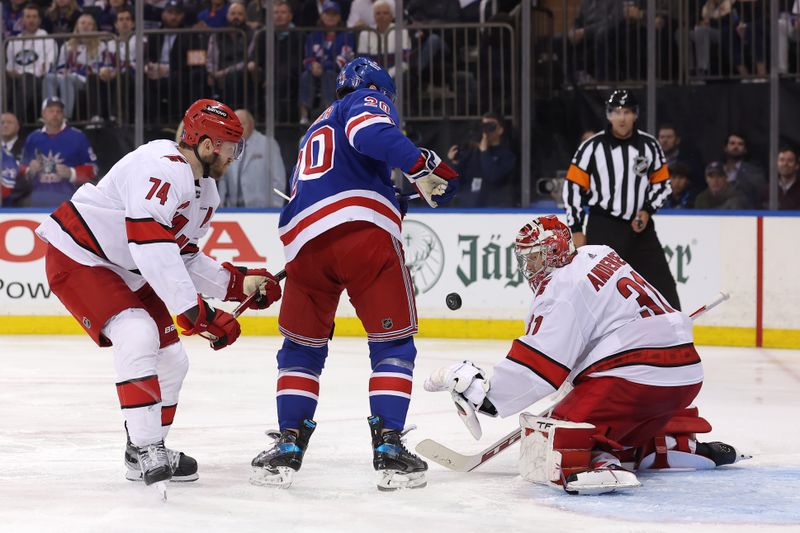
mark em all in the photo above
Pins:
pixel 206 166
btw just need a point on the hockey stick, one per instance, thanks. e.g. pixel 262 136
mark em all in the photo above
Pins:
pixel 448 458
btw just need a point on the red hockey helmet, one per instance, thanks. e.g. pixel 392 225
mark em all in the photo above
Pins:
pixel 215 120
pixel 541 246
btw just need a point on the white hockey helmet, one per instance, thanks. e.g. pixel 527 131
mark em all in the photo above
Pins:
pixel 541 246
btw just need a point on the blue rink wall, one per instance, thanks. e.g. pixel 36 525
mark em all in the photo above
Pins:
pixel 752 255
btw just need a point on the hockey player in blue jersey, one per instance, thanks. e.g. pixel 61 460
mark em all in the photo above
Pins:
pixel 341 230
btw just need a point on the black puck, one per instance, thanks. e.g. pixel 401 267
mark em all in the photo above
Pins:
pixel 453 301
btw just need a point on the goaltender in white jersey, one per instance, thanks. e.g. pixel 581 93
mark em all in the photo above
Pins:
pixel 123 255
pixel 599 326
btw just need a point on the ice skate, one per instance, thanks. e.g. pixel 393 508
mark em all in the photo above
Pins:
pixel 722 454
pixel 397 467
pixel 184 468
pixel 155 467
pixel 611 478
pixel 276 466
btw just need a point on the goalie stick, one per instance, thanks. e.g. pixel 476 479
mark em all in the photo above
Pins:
pixel 448 458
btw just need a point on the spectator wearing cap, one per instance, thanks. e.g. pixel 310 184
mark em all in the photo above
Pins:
pixel 27 61
pixel 326 52
pixel 215 16
pixel 682 195
pixel 788 183
pixel 57 159
pixel 225 58
pixel 745 175
pixel 249 181
pixel 719 194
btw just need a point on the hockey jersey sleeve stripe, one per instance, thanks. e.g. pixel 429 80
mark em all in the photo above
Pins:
pixel 576 175
pixel 70 220
pixel 139 392
pixel 671 356
pixel 146 231
pixel 662 174
pixel 369 203
pixel 168 414
pixel 550 370
pixel 190 248
pixel 359 122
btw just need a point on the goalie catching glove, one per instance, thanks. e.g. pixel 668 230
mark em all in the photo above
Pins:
pixel 468 388
pixel 435 180
pixel 245 281
pixel 219 327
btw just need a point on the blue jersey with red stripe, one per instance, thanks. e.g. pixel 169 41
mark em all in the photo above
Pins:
pixel 343 170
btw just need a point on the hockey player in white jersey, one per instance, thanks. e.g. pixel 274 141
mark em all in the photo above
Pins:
pixel 596 324
pixel 123 255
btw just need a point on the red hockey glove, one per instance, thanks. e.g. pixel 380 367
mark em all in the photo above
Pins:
pixel 215 325
pixel 245 281
pixel 430 176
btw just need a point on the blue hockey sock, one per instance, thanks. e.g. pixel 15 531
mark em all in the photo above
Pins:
pixel 390 382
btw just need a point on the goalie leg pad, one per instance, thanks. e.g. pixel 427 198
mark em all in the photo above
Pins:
pixel 551 449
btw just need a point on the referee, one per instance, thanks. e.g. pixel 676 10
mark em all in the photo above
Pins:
pixel 621 175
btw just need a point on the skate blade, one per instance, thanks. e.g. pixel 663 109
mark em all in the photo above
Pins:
pixel 390 480
pixel 281 479
pixel 161 488
pixel 136 475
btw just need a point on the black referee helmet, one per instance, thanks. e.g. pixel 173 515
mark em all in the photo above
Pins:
pixel 622 98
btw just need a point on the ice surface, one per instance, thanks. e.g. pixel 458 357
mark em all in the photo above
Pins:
pixel 61 447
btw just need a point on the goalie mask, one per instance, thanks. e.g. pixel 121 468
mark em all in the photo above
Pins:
pixel 543 245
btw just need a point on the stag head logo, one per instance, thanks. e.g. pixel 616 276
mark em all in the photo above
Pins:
pixel 424 255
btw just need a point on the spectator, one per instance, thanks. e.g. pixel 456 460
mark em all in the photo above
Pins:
pixel 485 167
pixel 747 177
pixel 216 16
pixel 309 12
pixel 369 43
pixel 288 54
pixel 255 14
pixel 716 26
pixel 79 58
pixel 719 194
pixel 8 176
pixel 225 59
pixel 326 52
pixel 788 30
pixel 61 16
pixel 9 134
pixel 788 184
pixel 682 195
pixel 57 159
pixel 675 152
pixel 175 66
pixel 250 180
pixel 107 17
pixel 362 13
pixel 12 17
pixel 119 64
pixel 27 61
pixel 428 46
pixel 750 31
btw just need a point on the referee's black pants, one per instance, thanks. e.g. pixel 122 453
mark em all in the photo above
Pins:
pixel 642 251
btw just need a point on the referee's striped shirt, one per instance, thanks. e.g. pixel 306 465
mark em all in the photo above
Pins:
pixel 618 176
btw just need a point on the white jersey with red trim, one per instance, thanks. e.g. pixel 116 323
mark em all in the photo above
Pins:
pixel 143 221
pixel 595 317
pixel 344 170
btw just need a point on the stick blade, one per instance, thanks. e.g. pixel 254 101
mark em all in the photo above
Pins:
pixel 450 459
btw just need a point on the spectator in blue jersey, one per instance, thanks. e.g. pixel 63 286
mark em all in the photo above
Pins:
pixel 486 167
pixel 12 17
pixel 8 176
pixel 57 159
pixel 215 16
pixel 326 53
